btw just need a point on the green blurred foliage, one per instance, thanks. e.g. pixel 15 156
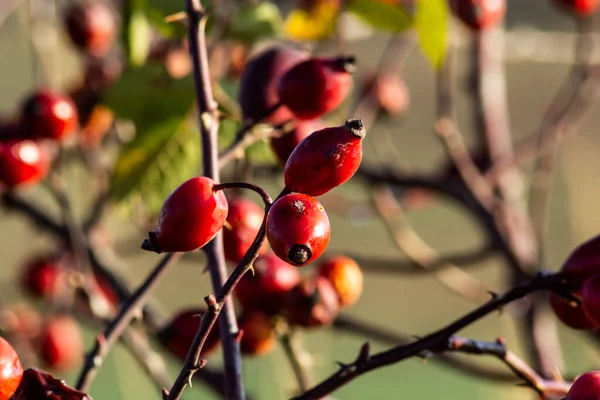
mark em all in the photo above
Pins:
pixel 431 23
pixel 385 16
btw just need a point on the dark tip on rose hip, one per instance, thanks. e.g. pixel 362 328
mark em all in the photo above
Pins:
pixel 356 127
pixel 299 254
pixel 347 63
pixel 148 244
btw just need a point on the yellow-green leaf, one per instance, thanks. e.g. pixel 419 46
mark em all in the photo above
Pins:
pixel 315 24
pixel 384 15
pixel 431 21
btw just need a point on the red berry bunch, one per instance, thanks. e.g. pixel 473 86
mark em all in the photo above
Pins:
pixel 11 371
pixel 580 8
pixel 244 220
pixel 585 387
pixel 581 270
pixel 479 14
pixel 190 217
pixel 49 115
pixel 177 335
pixel 22 162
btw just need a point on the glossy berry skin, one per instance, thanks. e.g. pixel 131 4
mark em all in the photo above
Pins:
pixel 190 217
pixel 258 338
pixel 325 159
pixel 585 387
pixel 11 370
pixel 590 298
pixel 61 344
pixel 345 276
pixel 245 219
pixel 312 303
pixel 177 336
pixel 583 262
pixel 571 315
pixel 298 229
pixel 49 115
pixel 284 145
pixel 580 8
pixel 265 290
pixel 316 86
pixel 479 14
pixel 42 277
pixel 22 162
pixel 258 84
pixel 91 27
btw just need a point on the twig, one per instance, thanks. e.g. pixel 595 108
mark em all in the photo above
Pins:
pixel 115 329
pixel 293 354
pixel 434 342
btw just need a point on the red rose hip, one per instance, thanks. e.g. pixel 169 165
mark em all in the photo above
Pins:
pixel 245 219
pixel 22 162
pixel 479 14
pixel 325 159
pixel 572 315
pixel 266 288
pixel 580 8
pixel 91 26
pixel 585 387
pixel 284 146
pixel 49 115
pixel 61 344
pixel 42 277
pixel 258 337
pixel 345 276
pixel 583 262
pixel 298 229
pixel 590 298
pixel 179 333
pixel 11 370
pixel 316 86
pixel 190 217
pixel 313 302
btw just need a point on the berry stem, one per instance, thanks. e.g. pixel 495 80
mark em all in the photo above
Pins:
pixel 245 185
pixel 119 324
pixel 293 353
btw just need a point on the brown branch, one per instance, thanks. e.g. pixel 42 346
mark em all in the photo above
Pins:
pixel 434 342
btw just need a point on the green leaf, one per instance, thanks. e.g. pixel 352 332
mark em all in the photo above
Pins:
pixel 252 22
pixel 431 22
pixel 385 16
pixel 162 153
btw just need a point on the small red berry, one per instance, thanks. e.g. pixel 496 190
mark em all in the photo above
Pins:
pixel 585 387
pixel 258 84
pixel 91 26
pixel 325 159
pixel 190 217
pixel 266 288
pixel 298 229
pixel 583 262
pixel 389 92
pixel 590 298
pixel 245 219
pixel 177 336
pixel 479 14
pixel 313 302
pixel 22 162
pixel 42 277
pixel 258 337
pixel 61 345
pixel 11 131
pixel 580 8
pixel 572 315
pixel 49 115
pixel 11 370
pixel 345 276
pixel 316 86
pixel 284 146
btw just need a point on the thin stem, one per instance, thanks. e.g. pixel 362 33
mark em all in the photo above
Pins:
pixel 208 122
pixel 293 353
pixel 115 329
pixel 244 185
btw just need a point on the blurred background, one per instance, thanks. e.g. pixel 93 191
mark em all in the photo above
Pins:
pixel 538 47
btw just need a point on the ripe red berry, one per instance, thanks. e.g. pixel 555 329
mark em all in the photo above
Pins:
pixel 10 131
pixel 585 387
pixel 177 336
pixel 571 315
pixel 49 115
pixel 258 337
pixel 11 370
pixel 580 8
pixel 258 84
pixel 313 302
pixel 190 217
pixel 389 92
pixel 61 345
pixel 245 219
pixel 91 26
pixel 284 145
pixel 22 162
pixel 316 86
pixel 42 277
pixel 590 298
pixel 267 287
pixel 479 14
pixel 583 262
pixel 345 276
pixel 298 229
pixel 325 159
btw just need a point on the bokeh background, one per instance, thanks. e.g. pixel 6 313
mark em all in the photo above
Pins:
pixel 539 46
